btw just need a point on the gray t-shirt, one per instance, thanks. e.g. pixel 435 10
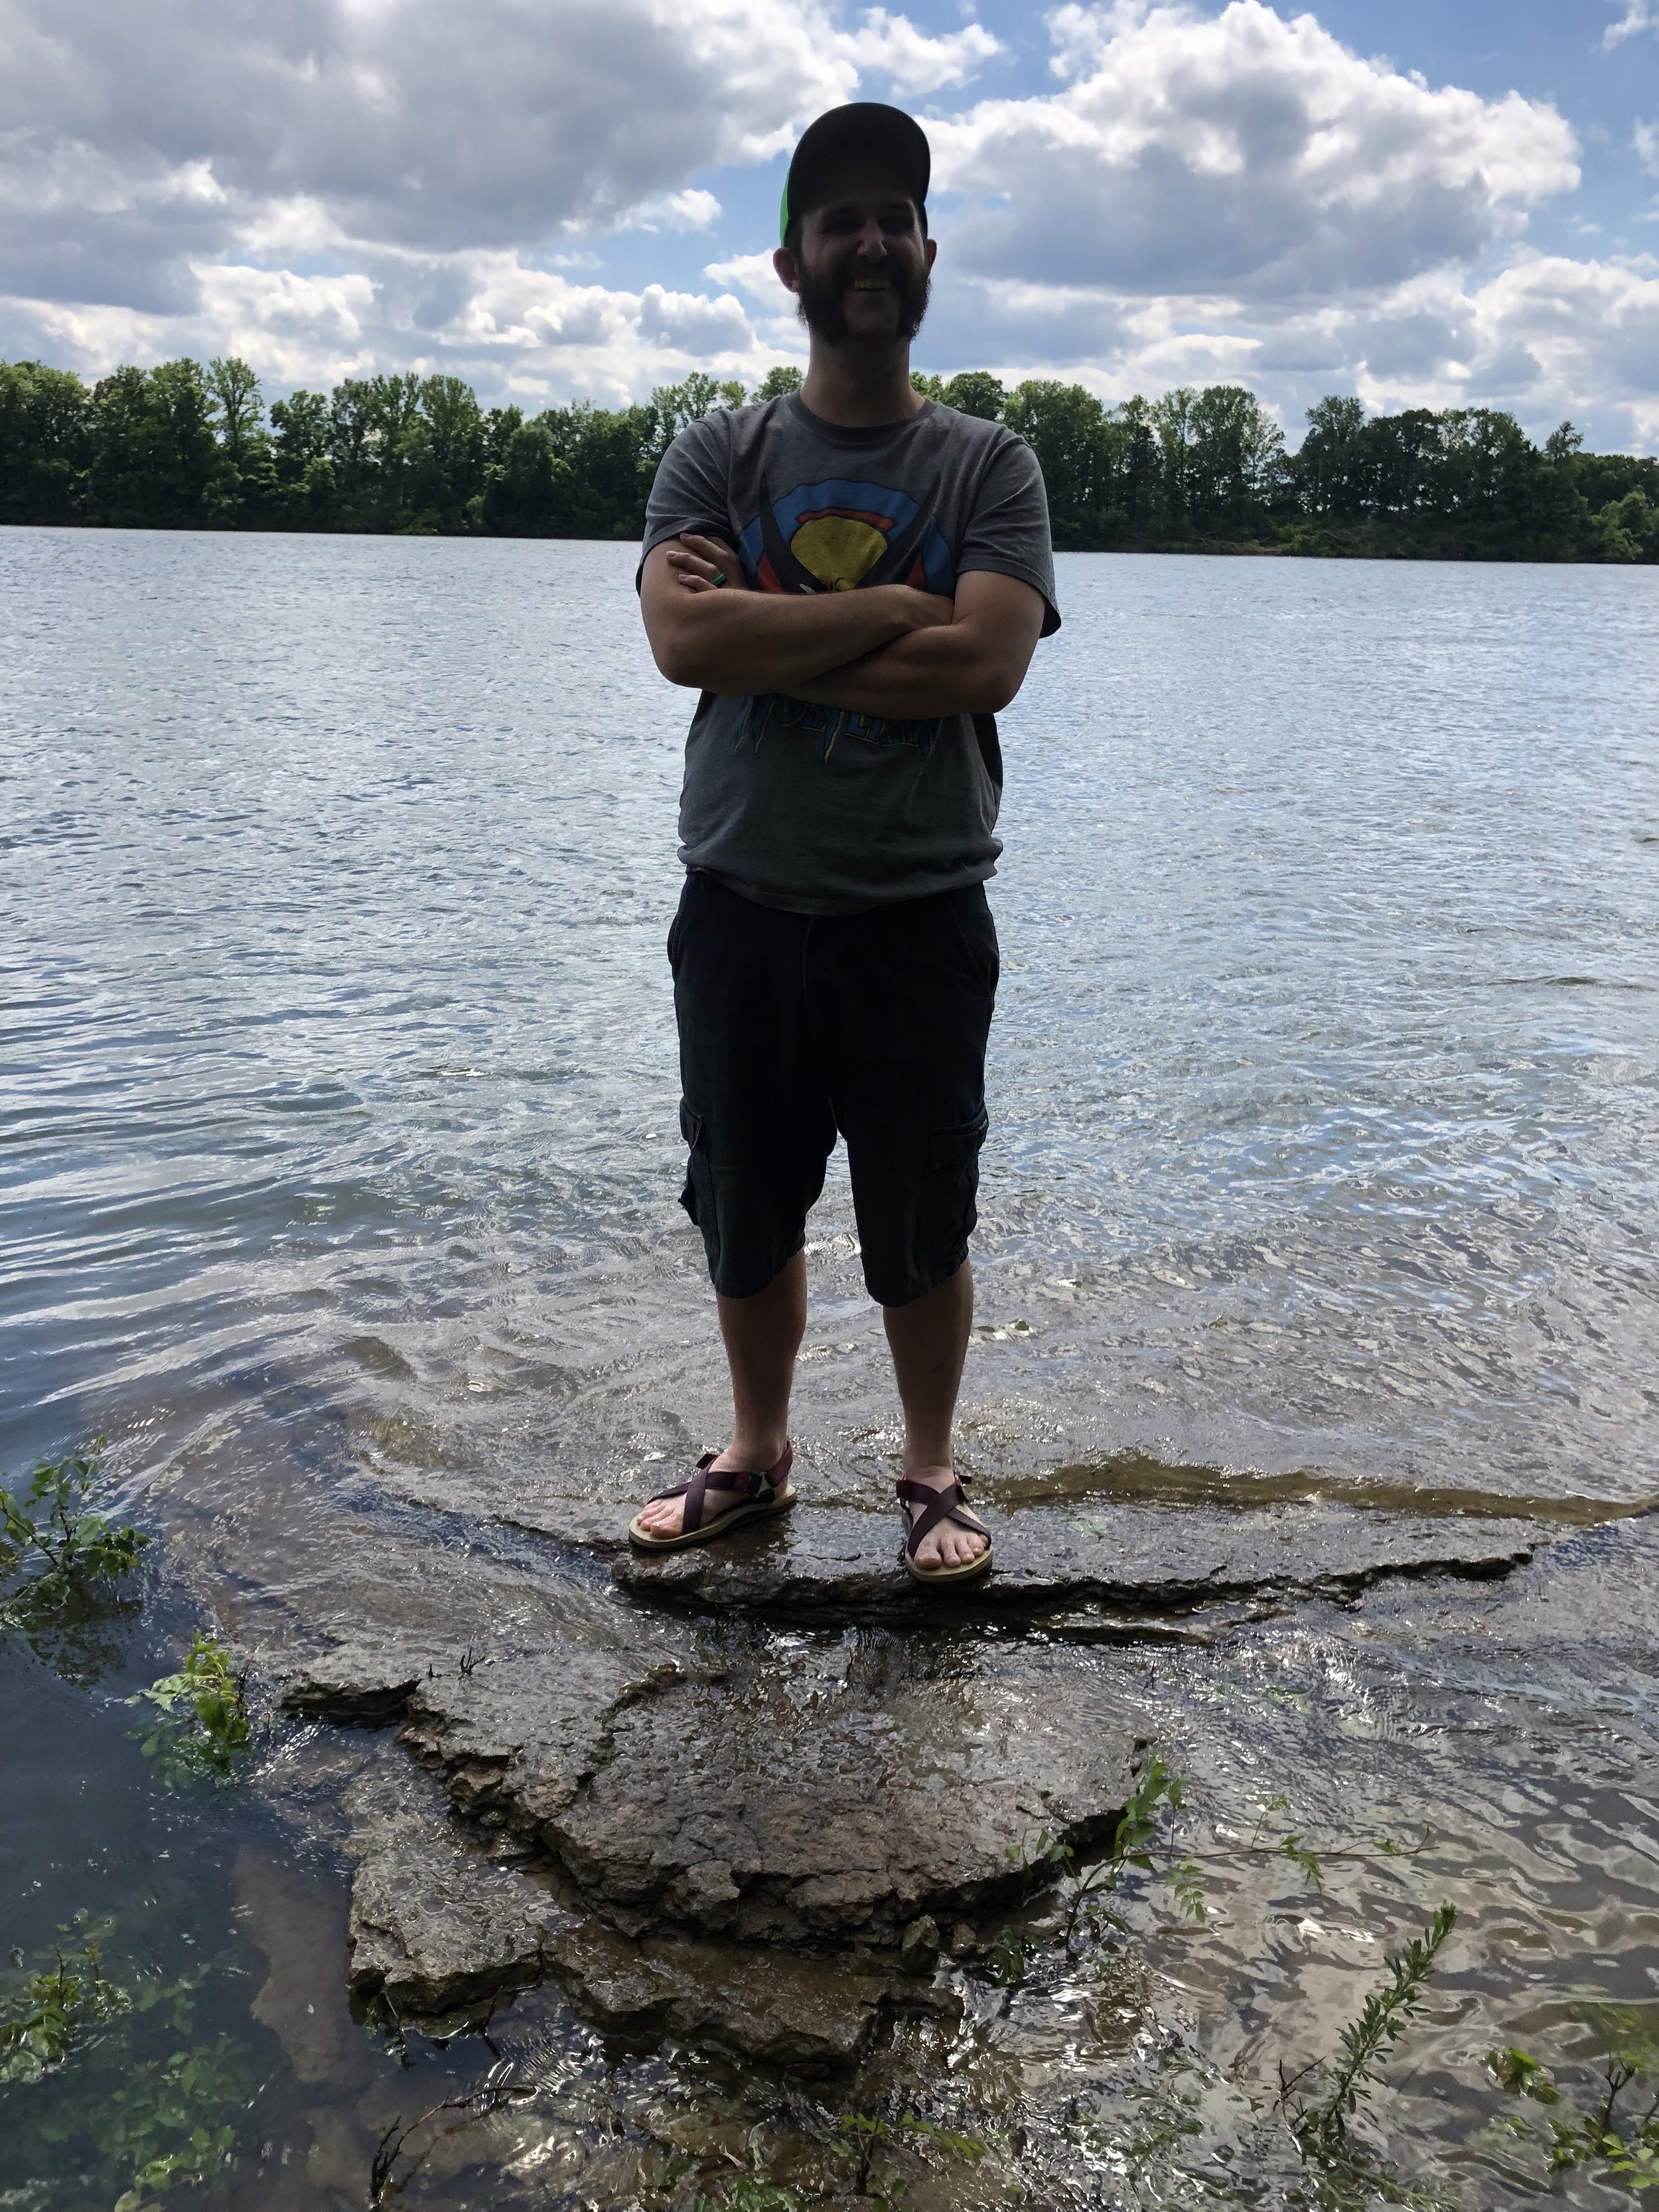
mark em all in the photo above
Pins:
pixel 821 810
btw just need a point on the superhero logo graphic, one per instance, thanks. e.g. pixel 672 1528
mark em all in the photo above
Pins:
pixel 833 536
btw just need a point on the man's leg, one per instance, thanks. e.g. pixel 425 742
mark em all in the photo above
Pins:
pixel 763 1334
pixel 928 1339
pixel 759 1130
pixel 907 991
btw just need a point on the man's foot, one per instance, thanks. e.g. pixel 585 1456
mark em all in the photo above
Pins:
pixel 947 1544
pixel 665 1517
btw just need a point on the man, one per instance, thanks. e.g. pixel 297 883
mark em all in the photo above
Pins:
pixel 855 580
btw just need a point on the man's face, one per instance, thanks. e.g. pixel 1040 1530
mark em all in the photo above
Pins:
pixel 862 269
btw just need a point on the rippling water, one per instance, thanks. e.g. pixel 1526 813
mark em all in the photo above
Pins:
pixel 339 1123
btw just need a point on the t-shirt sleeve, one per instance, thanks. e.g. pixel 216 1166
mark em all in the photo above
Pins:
pixel 689 491
pixel 1008 528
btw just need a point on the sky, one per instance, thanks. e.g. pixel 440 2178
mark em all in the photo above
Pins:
pixel 1429 203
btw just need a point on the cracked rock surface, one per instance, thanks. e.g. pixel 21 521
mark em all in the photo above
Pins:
pixel 707 1829
pixel 822 1564
pixel 826 1806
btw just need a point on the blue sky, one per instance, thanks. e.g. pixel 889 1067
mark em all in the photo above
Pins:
pixel 1426 204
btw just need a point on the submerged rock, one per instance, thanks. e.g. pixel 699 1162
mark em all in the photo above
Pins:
pixel 832 1564
pixel 441 1932
pixel 435 1927
pixel 827 1804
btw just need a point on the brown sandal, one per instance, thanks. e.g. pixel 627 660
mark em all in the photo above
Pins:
pixel 757 1495
pixel 948 1504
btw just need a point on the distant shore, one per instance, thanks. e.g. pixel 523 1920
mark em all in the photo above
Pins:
pixel 186 447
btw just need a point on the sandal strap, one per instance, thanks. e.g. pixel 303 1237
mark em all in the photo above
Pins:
pixel 950 1503
pixel 742 1483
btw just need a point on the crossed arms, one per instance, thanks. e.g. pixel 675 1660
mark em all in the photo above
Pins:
pixel 885 650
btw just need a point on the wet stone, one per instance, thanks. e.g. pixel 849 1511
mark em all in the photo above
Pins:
pixel 444 1934
pixel 833 1564
pixel 435 1927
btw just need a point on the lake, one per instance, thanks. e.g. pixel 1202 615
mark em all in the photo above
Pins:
pixel 340 1178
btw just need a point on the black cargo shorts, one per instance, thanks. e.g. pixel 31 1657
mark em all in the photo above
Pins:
pixel 795 1028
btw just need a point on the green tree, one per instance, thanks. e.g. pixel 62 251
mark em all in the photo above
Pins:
pixel 1065 426
pixel 1331 472
pixel 153 458
pixel 527 491
pixel 244 483
pixel 46 427
pixel 781 379
pixel 675 405
pixel 304 474
pixel 977 392
pixel 1234 458
pixel 443 447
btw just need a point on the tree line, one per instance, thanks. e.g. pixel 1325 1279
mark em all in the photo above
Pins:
pixel 185 446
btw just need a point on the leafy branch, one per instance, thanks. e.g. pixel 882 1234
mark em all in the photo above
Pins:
pixel 42 2017
pixel 1322 2128
pixel 53 1547
pixel 1629 2149
pixel 201 1719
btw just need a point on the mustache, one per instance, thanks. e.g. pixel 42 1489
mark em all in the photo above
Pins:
pixel 820 300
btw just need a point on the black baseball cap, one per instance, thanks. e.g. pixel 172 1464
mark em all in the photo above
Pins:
pixel 869 122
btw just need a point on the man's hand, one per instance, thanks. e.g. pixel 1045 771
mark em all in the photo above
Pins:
pixel 716 638
pixel 972 665
pixel 706 564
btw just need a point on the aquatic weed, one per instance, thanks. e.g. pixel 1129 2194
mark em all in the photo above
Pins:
pixel 859 2137
pixel 1627 2149
pixel 44 2013
pixel 1321 2127
pixel 77 2074
pixel 201 1722
pixel 56 1551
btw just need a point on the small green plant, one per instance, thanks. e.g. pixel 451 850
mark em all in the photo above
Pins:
pixel 859 2137
pixel 1321 2127
pixel 54 1551
pixel 201 1719
pixel 81 2065
pixel 1151 1813
pixel 43 2015
pixel 750 2193
pixel 1629 2147
pixel 1009 1959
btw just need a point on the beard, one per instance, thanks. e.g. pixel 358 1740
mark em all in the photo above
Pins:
pixel 820 303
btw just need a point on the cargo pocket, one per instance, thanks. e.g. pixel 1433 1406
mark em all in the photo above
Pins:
pixel 957 1146
pixel 692 1130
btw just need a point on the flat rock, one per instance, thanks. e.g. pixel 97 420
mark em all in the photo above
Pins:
pixel 838 1805
pixel 441 1932
pixel 824 1807
pixel 819 2015
pixel 435 1927
pixel 825 1564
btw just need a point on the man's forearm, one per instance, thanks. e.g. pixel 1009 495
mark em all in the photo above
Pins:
pixel 735 642
pixel 947 671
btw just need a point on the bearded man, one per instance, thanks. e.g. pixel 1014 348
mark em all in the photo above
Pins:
pixel 854 579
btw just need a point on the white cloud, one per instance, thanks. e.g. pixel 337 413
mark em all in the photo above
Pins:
pixel 1197 193
pixel 755 273
pixel 509 327
pixel 1239 151
pixel 405 124
pixel 1638 16
pixel 891 45
pixel 693 210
